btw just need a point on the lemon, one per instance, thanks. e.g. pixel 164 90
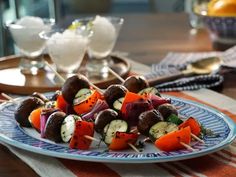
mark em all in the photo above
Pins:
pixel 224 8
pixel 74 25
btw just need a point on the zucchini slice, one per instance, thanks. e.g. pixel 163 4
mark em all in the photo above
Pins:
pixel 82 95
pixel 68 127
pixel 149 90
pixel 50 104
pixel 114 126
pixel 161 128
pixel 118 104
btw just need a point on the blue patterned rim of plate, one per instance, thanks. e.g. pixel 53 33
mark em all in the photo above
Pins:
pixel 223 27
pixel 219 123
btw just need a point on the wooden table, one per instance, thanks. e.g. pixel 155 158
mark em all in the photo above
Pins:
pixel 147 38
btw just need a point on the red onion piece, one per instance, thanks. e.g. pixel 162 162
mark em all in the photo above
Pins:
pixel 134 109
pixel 43 119
pixel 99 106
pixel 157 101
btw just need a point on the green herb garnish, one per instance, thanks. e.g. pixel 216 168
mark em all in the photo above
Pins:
pixel 207 132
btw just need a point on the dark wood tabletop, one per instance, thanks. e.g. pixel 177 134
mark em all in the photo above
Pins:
pixel 147 38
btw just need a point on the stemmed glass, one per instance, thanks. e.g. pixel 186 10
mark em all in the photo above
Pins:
pixel 25 33
pixel 66 49
pixel 105 31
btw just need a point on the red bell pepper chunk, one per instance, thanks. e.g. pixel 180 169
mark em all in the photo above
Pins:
pixel 129 98
pixel 171 141
pixel 193 124
pixel 61 103
pixel 78 140
pixel 87 105
pixel 34 118
pixel 122 139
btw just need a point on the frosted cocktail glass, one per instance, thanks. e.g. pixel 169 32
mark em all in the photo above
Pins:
pixel 25 33
pixel 66 49
pixel 105 31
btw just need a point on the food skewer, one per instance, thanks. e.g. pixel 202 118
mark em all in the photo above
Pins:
pixel 79 82
pixel 63 80
pixel 99 90
pixel 122 80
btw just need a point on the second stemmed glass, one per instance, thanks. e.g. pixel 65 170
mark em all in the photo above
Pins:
pixel 66 49
pixel 105 31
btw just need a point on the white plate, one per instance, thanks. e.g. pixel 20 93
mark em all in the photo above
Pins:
pixel 210 118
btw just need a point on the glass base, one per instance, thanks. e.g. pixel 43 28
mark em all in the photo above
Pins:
pixel 98 68
pixel 195 21
pixel 31 66
pixel 222 44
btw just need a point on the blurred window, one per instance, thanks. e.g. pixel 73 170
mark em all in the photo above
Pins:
pixel 59 9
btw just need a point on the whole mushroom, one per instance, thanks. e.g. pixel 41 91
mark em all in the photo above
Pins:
pixel 167 109
pixel 114 92
pixel 72 85
pixel 135 83
pixel 25 108
pixel 147 119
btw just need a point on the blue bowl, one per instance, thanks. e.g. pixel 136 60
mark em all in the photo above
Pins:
pixel 222 30
pixel 224 27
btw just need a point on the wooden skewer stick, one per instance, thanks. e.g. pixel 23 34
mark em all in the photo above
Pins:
pixel 133 147
pixel 63 80
pixel 134 130
pixel 116 75
pixel 91 138
pixel 147 139
pixel 97 88
pixel 187 146
pixel 196 138
pixel 55 72
pixel 7 97
pixel 95 139
pixel 2 101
